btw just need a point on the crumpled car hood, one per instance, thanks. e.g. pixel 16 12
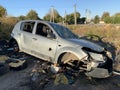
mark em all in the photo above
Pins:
pixel 88 44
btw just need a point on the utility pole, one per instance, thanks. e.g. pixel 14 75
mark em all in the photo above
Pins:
pixel 52 14
pixel 88 12
pixel 75 14
pixel 65 16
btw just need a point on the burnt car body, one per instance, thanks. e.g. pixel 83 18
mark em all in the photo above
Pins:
pixel 57 44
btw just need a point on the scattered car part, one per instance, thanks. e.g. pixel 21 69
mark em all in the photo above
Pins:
pixel 98 73
pixel 16 64
pixel 60 79
pixel 54 68
pixel 3 58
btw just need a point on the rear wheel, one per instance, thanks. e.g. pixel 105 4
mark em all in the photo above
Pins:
pixel 15 46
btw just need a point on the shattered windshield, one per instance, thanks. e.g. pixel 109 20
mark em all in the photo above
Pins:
pixel 64 32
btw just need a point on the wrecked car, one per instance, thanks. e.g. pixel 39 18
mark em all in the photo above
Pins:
pixel 57 44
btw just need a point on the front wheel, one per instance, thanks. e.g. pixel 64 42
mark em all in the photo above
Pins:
pixel 70 61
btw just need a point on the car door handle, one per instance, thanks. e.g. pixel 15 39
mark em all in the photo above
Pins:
pixel 34 38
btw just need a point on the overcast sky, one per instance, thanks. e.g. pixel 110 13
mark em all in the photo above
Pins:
pixel 96 7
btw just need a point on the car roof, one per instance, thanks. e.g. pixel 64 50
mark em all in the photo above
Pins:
pixel 47 22
pixel 35 21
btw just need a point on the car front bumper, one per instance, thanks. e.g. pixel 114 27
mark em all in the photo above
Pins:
pixel 98 73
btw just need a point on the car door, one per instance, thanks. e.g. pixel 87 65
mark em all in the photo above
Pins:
pixel 43 46
pixel 26 36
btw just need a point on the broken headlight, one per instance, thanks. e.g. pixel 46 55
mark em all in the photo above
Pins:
pixel 95 55
pixel 95 58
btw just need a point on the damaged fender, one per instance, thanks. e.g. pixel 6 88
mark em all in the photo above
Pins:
pixel 77 52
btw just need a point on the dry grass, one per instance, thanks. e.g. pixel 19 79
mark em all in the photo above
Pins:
pixel 6 26
pixel 110 32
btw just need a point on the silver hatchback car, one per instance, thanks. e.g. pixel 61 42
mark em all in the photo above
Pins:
pixel 57 44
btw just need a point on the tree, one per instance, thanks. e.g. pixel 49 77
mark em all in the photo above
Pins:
pixel 105 15
pixel 32 15
pixel 108 20
pixel 96 19
pixel 70 18
pixel 81 20
pixel 117 15
pixel 53 16
pixel 116 18
pixel 47 17
pixel 2 11
pixel 21 17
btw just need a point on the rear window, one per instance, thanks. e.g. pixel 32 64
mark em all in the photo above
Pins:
pixel 27 26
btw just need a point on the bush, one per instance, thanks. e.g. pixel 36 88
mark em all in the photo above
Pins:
pixel 6 26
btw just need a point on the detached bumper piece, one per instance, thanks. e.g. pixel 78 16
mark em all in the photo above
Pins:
pixel 103 70
pixel 98 73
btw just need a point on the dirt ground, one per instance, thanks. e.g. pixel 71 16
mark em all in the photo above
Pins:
pixel 21 80
pixel 26 79
pixel 16 80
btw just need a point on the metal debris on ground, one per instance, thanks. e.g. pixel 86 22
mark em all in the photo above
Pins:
pixel 54 68
pixel 60 79
pixel 3 58
pixel 17 64
pixel 44 72
pixel 41 74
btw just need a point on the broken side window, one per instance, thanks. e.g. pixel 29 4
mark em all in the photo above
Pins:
pixel 44 30
pixel 41 29
pixel 27 26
